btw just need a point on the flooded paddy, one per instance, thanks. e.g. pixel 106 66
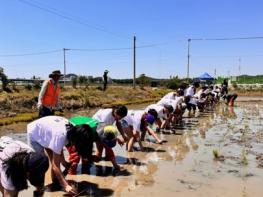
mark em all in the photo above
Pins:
pixel 216 153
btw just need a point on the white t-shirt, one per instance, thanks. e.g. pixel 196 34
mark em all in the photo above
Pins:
pixel 198 94
pixel 190 91
pixel 174 102
pixel 134 118
pixel 50 132
pixel 158 108
pixel 11 148
pixel 104 117
pixel 170 95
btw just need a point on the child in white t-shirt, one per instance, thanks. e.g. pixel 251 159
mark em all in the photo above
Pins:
pixel 52 133
pixel 142 122
pixel 129 128
pixel 161 113
pixel 19 163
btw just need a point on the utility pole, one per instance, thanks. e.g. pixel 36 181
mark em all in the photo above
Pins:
pixel 188 57
pixel 64 54
pixel 228 74
pixel 239 66
pixel 134 61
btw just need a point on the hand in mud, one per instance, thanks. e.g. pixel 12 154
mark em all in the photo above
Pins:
pixel 39 192
pixel 117 167
pixel 70 190
pixel 120 142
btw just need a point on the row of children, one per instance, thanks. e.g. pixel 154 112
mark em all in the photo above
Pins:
pixel 48 136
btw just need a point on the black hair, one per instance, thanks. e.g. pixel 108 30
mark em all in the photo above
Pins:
pixel 196 84
pixel 154 113
pixel 120 110
pixel 187 99
pixel 16 170
pixel 180 92
pixel 143 125
pixel 183 85
pixel 82 137
pixel 203 95
pixel 169 108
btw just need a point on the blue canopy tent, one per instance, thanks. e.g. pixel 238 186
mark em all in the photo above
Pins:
pixel 204 77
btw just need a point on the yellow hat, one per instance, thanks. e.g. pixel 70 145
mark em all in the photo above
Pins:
pixel 109 136
pixel 111 129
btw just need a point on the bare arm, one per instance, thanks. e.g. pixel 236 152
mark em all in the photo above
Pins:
pixel 121 130
pixel 151 132
pixel 42 93
pixel 10 193
pixel 55 163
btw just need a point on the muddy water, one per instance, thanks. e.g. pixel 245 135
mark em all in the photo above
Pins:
pixel 188 168
pixel 186 165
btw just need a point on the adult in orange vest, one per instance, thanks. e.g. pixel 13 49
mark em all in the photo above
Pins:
pixel 49 95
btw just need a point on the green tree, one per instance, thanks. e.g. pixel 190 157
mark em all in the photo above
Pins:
pixel 143 80
pixel 4 80
pixel 173 83
pixel 37 84
pixel 83 80
pixel 74 81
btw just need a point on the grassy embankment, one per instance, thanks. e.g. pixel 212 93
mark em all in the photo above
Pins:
pixel 21 106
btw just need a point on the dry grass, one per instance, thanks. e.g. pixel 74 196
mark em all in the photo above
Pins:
pixel 21 107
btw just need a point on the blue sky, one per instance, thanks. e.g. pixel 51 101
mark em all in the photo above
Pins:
pixel 111 24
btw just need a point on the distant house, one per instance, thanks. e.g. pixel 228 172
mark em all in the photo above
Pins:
pixel 68 77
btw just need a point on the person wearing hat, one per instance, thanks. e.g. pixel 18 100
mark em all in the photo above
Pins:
pixel 176 104
pixel 133 135
pixel 19 163
pixel 74 158
pixel 48 99
pixel 50 134
pixel 142 122
pixel 107 140
pixel 105 80
pixel 110 116
pixel 161 113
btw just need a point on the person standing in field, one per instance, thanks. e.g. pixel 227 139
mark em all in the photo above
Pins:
pixel 225 87
pixel 105 80
pixel 48 99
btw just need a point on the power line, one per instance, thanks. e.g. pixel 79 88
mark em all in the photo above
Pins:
pixel 215 39
pixel 230 38
pixel 75 49
pixel 67 17
pixel 75 19
pixel 31 54
pixel 226 56
pixel 119 49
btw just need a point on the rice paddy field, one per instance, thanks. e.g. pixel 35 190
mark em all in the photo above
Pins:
pixel 218 152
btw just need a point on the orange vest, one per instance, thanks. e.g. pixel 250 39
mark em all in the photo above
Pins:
pixel 51 95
